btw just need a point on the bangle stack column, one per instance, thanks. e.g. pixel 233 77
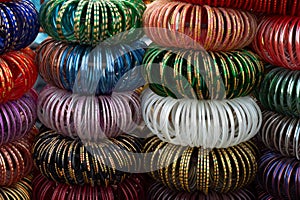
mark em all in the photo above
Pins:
pixel 85 152
pixel 277 42
pixel 198 104
pixel 18 72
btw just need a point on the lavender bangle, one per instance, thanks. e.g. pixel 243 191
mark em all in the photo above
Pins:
pixel 17 117
pixel 88 117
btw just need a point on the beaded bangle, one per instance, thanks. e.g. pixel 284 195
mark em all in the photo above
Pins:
pixel 130 188
pixel 64 160
pixel 279 91
pixel 198 27
pixel 19 25
pixel 87 117
pixel 159 191
pixel 210 124
pixel 279 45
pixel 278 175
pixel 17 117
pixel 184 169
pixel 20 190
pixel 195 74
pixel 281 133
pixel 15 159
pixel 18 74
pixel 87 71
pixel 85 22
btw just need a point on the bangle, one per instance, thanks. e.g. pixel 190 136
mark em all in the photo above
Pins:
pixel 279 172
pixel 194 161
pixel 18 74
pixel 132 188
pixel 18 190
pixel 198 27
pixel 88 23
pixel 18 117
pixel 278 91
pixel 84 70
pixel 19 26
pixel 65 160
pixel 88 117
pixel 212 75
pixel 15 159
pixel 278 45
pixel 281 133
pixel 206 123
pixel 159 191
pixel 263 195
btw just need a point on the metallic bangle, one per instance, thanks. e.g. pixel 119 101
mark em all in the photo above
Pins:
pixel 64 160
pixel 193 162
pixel 276 175
pixel 88 117
pixel 18 190
pixel 206 123
pixel 207 31
pixel 212 75
pixel 281 133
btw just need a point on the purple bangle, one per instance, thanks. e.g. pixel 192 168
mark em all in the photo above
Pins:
pixel 17 118
pixel 88 117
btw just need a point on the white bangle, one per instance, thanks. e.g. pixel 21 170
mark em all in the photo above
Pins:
pixel 201 123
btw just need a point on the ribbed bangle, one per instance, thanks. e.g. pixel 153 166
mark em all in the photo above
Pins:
pixel 17 117
pixel 281 133
pixel 91 118
pixel 176 24
pixel 159 191
pixel 196 169
pixel 85 70
pixel 279 91
pixel 20 190
pixel 206 123
pixel 18 74
pixel 89 23
pixel 65 160
pixel 276 41
pixel 19 25
pixel 196 74
pixel 15 160
pixel 131 188
pixel 279 175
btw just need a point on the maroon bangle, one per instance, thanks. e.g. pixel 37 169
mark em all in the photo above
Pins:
pixel 131 188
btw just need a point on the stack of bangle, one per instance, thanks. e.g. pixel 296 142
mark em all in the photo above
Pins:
pixel 191 169
pixel 90 118
pixel 159 191
pixel 206 123
pixel 276 41
pixel 280 92
pixel 90 22
pixel 65 160
pixel 20 190
pixel 19 25
pixel 17 117
pixel 281 133
pixel 18 74
pixel 201 75
pixel 90 71
pixel 130 189
pixel 279 175
pixel 15 160
pixel 214 29
pixel 279 7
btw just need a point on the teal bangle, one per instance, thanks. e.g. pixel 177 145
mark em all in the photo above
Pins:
pixel 200 75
